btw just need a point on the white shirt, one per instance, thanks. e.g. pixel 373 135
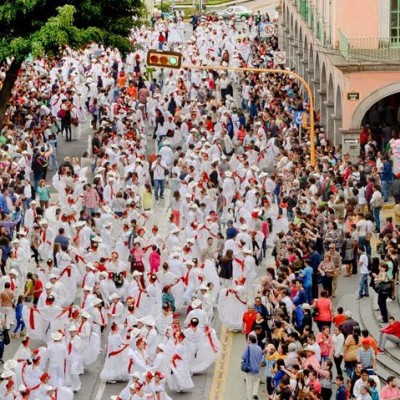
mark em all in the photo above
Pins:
pixel 363 264
pixel 159 170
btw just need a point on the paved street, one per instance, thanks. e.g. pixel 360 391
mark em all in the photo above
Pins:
pixel 207 385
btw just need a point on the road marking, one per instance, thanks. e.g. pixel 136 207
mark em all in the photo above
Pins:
pixel 100 392
pixel 220 377
pixel 89 144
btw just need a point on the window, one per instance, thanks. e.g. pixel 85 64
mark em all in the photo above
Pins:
pixel 395 23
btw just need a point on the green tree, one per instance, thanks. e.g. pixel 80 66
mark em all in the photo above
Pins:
pixel 45 27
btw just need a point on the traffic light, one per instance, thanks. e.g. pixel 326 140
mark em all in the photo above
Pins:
pixel 164 59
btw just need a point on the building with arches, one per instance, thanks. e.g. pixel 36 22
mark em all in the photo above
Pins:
pixel 349 53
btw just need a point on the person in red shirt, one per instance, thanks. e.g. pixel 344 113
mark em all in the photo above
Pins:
pixel 37 288
pixel 371 341
pixel 391 333
pixel 339 318
pixel 249 317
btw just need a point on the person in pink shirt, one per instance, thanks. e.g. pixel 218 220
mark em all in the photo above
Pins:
pixel 154 259
pixel 325 342
pixel 391 391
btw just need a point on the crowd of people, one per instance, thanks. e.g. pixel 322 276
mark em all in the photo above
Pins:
pixel 140 246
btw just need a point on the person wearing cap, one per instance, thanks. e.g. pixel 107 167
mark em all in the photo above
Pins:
pixel 56 355
pixel 74 359
pixel 116 310
pixel 366 355
pixel 198 313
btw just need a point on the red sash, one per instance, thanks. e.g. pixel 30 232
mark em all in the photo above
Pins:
pixel 234 292
pixel 120 350
pixel 175 358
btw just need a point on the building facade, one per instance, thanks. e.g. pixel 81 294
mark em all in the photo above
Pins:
pixel 349 52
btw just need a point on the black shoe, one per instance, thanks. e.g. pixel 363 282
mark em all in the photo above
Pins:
pixel 366 295
pixel 255 397
pixel 162 197
pixel 1 361
pixel 359 297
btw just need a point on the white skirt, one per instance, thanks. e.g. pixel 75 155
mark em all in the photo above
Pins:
pixel 180 378
pixel 231 310
pixel 116 367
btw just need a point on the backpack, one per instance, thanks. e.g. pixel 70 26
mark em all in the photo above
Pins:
pixel 378 202
pixel 61 114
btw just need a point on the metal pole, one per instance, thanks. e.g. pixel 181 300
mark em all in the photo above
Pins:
pixel 276 71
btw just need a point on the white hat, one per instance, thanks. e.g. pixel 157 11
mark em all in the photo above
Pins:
pixel 188 195
pixel 175 230
pixel 203 287
pixel 136 375
pixel 188 262
pixel 73 328
pixel 247 251
pixel 166 142
pixel 194 206
pixel 91 266
pixel 255 168
pixel 6 374
pixel 97 239
pixel 43 222
pixel 22 232
pixel 79 224
pixel 161 347
pixel 56 336
pixel 15 241
pixel 87 288
pixel 96 301
pixel 147 320
pixel 263 174
pixel 191 241
pixel 309 348
pixel 228 174
pixel 22 388
pixel 244 227
pixel 49 388
pixel 85 314
pixel 107 224
pixel 134 332
pixel 13 272
pixel 137 273
pixel 48 285
pixel 11 364
pixel 52 276
pixel 114 296
pixel 175 254
pixel 196 303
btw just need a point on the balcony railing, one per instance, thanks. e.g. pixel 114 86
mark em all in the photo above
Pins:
pixel 313 19
pixel 367 49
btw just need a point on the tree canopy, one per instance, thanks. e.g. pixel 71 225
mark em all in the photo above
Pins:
pixel 44 27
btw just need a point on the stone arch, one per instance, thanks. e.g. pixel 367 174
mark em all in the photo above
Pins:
pixel 370 100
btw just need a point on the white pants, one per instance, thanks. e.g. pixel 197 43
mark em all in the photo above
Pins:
pixel 57 375
pixel 9 314
pixel 252 385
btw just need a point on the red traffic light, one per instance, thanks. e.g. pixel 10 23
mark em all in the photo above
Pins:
pixel 164 59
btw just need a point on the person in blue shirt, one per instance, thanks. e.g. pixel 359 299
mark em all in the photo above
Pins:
pixel 18 317
pixel 315 260
pixel 301 296
pixel 307 274
pixel 252 356
pixel 341 393
pixel 387 179
pixel 231 231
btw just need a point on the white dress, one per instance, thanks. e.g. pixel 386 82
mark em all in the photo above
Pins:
pixel 231 307
pixel 116 364
pixel 208 351
pixel 180 378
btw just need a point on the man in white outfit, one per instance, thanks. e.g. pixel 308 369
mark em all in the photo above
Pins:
pixel 57 355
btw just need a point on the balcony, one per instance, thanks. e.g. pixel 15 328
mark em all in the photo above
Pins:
pixel 379 50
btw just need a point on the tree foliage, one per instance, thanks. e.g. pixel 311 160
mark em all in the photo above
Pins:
pixel 45 27
pixel 41 27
